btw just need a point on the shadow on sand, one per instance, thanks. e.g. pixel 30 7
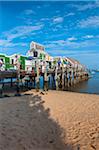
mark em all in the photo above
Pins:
pixel 30 127
pixel 49 133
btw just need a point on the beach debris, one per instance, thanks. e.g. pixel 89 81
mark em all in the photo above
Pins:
pixel 42 93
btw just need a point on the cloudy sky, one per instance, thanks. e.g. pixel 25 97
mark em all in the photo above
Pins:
pixel 65 28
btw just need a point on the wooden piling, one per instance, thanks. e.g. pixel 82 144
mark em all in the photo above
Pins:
pixel 53 83
pixel 56 78
pixel 63 78
pixel 71 75
pixel 45 79
pixel 18 79
pixel 66 80
pixel 37 77
pixel 11 82
pixel 75 76
pixel 1 90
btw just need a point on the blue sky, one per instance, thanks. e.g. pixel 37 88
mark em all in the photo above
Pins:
pixel 66 28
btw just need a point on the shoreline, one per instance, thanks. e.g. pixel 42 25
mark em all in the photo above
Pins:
pixel 62 91
pixel 11 92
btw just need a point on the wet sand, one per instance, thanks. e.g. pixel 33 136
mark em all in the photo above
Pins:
pixel 54 121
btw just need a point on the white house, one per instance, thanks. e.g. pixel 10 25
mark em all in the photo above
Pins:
pixel 37 51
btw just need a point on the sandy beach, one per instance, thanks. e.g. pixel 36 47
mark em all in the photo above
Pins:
pixel 54 121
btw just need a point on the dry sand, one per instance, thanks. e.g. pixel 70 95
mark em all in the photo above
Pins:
pixel 54 121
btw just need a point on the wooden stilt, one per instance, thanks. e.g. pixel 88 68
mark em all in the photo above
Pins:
pixel 56 78
pixel 37 77
pixel 17 88
pixel 63 78
pixel 45 79
pixel 11 82
pixel 68 76
pixel 49 80
pixel 74 75
pixel 1 90
pixel 53 84
pixel 71 76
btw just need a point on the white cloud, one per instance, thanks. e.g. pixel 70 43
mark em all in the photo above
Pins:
pixel 58 19
pixel 88 36
pixel 92 21
pixel 86 6
pixel 2 42
pixel 44 19
pixel 72 53
pixel 28 12
pixel 70 14
pixel 20 31
pixel 27 16
pixel 72 39
pixel 7 43
pixel 62 44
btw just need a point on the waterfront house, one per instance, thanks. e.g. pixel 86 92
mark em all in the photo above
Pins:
pixel 5 62
pixel 38 53
pixel 17 59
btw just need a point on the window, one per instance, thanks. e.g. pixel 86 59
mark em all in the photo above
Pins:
pixel 35 54
pixel 12 61
pixel 2 59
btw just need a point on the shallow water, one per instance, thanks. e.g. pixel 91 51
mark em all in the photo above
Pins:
pixel 90 86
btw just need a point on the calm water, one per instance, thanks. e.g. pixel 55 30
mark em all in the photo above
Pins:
pixel 91 86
